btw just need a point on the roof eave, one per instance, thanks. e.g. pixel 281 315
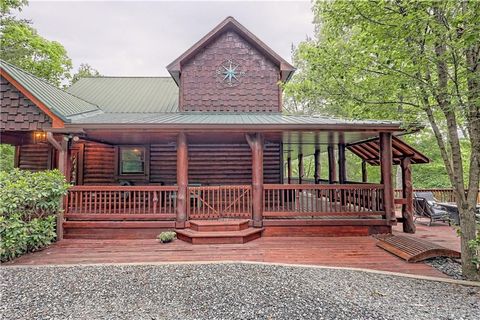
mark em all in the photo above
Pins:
pixel 229 126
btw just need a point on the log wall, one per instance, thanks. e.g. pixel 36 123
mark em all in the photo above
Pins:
pixel 163 164
pixel 98 164
pixel 230 164
pixel 209 164
pixel 34 157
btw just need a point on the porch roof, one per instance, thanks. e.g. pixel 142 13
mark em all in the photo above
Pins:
pixel 369 151
pixel 261 119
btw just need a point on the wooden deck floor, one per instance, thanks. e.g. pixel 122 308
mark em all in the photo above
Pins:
pixel 357 252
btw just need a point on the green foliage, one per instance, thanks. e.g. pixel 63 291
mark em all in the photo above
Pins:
pixel 31 194
pixel 7 153
pixel 19 237
pixel 167 236
pixel 24 47
pixel 6 6
pixel 376 59
pixel 84 71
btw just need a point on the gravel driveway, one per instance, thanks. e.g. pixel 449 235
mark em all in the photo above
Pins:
pixel 226 291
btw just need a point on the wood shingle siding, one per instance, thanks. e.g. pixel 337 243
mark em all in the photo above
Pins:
pixel 18 113
pixel 202 89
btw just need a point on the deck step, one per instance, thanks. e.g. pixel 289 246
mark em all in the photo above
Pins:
pixel 219 237
pixel 413 249
pixel 219 225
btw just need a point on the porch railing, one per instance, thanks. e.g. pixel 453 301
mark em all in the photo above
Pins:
pixel 441 194
pixel 215 202
pixel 159 200
pixel 299 200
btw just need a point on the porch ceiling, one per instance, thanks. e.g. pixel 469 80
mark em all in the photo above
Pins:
pixel 294 141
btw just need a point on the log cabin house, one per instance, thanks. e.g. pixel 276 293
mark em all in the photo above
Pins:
pixel 207 151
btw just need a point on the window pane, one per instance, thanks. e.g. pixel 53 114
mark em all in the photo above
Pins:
pixel 132 160
pixel 132 167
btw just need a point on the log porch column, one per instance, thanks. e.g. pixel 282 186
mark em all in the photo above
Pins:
pixel 316 157
pixel 342 171
pixel 64 166
pixel 332 172
pixel 407 195
pixel 256 142
pixel 386 176
pixel 300 168
pixel 289 170
pixel 182 180
pixel 364 172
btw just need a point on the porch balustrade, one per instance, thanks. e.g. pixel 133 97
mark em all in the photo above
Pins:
pixel 347 200
pixel 157 200
pixel 442 195
pixel 217 202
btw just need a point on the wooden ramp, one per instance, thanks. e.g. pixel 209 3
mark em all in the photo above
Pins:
pixel 414 250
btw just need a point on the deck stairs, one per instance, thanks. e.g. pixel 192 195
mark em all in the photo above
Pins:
pixel 219 232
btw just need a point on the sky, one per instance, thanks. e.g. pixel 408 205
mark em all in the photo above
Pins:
pixel 140 38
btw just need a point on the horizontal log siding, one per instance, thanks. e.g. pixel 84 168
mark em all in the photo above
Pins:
pixel 163 164
pixel 34 157
pixel 230 164
pixel 98 164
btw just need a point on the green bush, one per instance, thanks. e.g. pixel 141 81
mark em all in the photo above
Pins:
pixel 19 237
pixel 31 194
pixel 167 236
pixel 29 203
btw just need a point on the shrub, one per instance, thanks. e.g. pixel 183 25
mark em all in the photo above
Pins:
pixel 167 236
pixel 19 237
pixel 31 194
pixel 29 203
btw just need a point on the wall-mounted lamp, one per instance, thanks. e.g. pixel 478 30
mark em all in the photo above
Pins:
pixel 39 137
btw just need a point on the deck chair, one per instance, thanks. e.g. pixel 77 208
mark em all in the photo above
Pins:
pixel 425 208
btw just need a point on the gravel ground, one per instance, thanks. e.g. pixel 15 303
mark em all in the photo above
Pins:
pixel 448 266
pixel 226 291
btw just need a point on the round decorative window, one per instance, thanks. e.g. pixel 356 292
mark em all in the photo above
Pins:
pixel 230 73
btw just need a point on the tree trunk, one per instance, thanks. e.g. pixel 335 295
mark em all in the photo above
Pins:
pixel 466 207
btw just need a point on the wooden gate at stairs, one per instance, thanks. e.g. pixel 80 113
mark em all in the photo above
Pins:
pixel 220 202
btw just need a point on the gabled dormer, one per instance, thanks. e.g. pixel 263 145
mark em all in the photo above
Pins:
pixel 230 70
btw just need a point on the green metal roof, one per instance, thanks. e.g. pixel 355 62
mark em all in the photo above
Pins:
pixel 222 118
pixel 62 103
pixel 129 94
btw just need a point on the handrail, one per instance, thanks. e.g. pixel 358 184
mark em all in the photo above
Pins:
pixel 314 200
pixel 323 186
pixel 123 188
pixel 121 200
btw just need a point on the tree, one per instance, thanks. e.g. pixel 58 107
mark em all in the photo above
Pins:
pixel 84 71
pixel 24 47
pixel 419 60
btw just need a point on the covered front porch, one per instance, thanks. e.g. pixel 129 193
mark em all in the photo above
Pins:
pixel 222 175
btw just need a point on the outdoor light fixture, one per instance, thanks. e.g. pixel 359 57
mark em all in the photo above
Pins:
pixel 39 137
